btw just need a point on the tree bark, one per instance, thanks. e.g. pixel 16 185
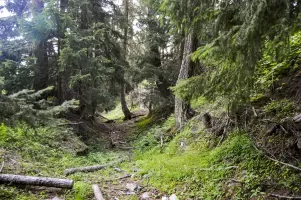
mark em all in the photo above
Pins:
pixel 42 71
pixel 62 79
pixel 125 109
pixel 37 181
pixel 182 108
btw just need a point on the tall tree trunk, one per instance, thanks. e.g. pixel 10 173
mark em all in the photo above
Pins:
pixel 61 85
pixel 155 60
pixel 42 71
pixel 161 82
pixel 182 108
pixel 125 109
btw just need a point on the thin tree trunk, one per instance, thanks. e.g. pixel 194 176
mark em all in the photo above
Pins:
pixel 182 108
pixel 125 109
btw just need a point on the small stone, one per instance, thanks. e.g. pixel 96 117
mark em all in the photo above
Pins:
pixel 299 143
pixel 146 195
pixel 131 186
pixel 173 197
pixel 56 198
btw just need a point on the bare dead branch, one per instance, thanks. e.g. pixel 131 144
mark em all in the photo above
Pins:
pixel 283 197
pixel 2 166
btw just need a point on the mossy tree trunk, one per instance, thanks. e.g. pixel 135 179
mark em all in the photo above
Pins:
pixel 182 108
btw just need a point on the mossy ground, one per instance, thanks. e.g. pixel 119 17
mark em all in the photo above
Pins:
pixel 47 152
pixel 194 167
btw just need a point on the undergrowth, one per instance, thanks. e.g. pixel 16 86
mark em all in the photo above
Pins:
pixel 190 165
pixel 47 152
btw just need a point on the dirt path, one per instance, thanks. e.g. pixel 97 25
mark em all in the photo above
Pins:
pixel 122 184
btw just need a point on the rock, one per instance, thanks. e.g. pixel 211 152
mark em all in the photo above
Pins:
pixel 297 118
pixel 173 197
pixel 118 170
pixel 131 186
pixel 146 195
pixel 56 198
pixel 299 143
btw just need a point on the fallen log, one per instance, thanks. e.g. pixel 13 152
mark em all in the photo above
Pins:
pixel 97 193
pixel 37 181
pixel 90 168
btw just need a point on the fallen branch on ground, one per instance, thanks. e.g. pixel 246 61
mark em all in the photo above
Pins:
pixel 119 178
pixel 283 197
pixel 2 166
pixel 90 168
pixel 71 123
pixel 37 181
pixel 97 193
pixel 278 161
pixel 218 169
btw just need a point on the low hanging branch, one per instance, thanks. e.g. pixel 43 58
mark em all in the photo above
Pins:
pixel 97 193
pixel 90 168
pixel 36 181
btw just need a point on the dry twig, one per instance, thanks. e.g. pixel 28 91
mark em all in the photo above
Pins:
pixel 278 161
pixel 2 166
pixel 283 197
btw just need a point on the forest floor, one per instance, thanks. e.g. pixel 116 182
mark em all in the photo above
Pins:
pixel 112 142
pixel 120 181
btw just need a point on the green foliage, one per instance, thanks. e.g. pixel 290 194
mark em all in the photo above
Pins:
pixel 280 109
pixel 83 191
pixel 154 136
pixel 236 45
pixel 40 142
pixel 275 64
pixel 144 123
pixel 188 166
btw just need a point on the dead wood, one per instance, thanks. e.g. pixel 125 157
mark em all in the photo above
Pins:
pixel 297 118
pixel 283 197
pixel 254 111
pixel 218 169
pixel 278 161
pixel 71 123
pixel 2 166
pixel 90 168
pixel 97 193
pixel 37 181
pixel 119 178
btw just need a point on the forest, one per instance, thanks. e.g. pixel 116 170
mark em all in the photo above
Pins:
pixel 150 99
